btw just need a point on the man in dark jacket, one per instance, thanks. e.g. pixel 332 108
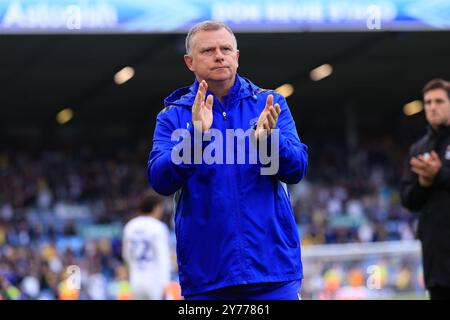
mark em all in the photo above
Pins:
pixel 426 188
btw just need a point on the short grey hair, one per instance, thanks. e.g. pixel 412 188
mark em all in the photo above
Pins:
pixel 207 25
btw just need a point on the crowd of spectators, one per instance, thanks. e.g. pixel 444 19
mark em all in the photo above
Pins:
pixel 61 207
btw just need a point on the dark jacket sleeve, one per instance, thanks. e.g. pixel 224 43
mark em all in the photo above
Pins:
pixel 293 154
pixel 443 178
pixel 413 195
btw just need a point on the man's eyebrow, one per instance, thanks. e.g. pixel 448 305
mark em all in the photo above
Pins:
pixel 206 47
pixel 434 99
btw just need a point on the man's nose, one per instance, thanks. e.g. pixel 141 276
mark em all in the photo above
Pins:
pixel 218 55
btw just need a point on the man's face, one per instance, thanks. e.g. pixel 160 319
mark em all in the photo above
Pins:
pixel 437 107
pixel 213 56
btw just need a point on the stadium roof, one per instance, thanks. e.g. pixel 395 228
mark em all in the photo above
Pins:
pixel 374 74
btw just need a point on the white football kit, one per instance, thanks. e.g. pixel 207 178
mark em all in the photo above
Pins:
pixel 146 250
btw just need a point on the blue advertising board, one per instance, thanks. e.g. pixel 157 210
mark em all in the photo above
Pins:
pixel 135 16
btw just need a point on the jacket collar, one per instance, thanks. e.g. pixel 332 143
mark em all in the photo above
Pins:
pixel 440 131
pixel 185 96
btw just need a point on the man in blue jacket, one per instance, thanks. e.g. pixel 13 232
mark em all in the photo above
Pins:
pixel 235 228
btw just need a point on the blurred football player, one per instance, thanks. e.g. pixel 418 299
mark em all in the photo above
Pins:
pixel 146 250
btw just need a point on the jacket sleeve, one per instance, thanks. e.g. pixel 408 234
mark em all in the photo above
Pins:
pixel 164 175
pixel 293 154
pixel 443 178
pixel 413 195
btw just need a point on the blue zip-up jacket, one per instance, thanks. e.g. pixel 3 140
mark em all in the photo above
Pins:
pixel 233 225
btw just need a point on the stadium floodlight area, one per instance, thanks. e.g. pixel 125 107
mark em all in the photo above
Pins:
pixel 104 16
pixel 378 270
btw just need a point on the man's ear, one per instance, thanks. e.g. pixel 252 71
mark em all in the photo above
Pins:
pixel 189 61
pixel 237 56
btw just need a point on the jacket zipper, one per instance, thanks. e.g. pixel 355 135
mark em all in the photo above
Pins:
pixel 236 198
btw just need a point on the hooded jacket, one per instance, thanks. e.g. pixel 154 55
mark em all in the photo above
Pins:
pixel 233 225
